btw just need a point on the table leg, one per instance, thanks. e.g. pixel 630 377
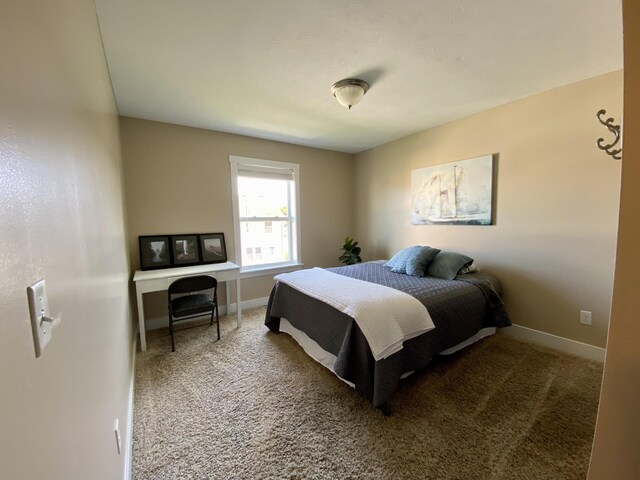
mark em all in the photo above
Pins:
pixel 239 303
pixel 141 329
pixel 228 284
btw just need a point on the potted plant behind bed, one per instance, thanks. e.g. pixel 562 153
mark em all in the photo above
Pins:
pixel 351 253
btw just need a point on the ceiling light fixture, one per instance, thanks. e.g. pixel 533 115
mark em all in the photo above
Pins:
pixel 349 91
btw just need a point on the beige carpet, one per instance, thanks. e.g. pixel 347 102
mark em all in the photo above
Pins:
pixel 254 406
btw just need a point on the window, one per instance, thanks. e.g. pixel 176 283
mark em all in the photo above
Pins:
pixel 265 206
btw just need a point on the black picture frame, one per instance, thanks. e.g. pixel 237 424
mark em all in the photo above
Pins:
pixel 155 252
pixel 185 250
pixel 212 248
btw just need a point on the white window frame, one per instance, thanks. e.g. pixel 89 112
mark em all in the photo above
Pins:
pixel 246 163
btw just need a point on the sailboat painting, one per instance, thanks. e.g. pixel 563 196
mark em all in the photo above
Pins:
pixel 456 193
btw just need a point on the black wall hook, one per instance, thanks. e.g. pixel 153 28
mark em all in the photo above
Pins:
pixel 615 130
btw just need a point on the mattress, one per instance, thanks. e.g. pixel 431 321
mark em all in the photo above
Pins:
pixel 461 310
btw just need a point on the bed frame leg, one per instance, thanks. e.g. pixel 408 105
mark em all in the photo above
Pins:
pixel 385 409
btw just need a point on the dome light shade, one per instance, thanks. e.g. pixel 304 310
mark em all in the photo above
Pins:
pixel 349 91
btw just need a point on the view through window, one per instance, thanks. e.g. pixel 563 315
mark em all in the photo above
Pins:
pixel 264 220
pixel 265 212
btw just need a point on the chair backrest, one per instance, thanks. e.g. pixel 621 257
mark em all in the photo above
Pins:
pixel 192 284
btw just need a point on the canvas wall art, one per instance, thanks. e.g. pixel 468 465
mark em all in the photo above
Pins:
pixel 456 193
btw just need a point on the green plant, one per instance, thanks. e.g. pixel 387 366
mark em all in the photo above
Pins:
pixel 351 253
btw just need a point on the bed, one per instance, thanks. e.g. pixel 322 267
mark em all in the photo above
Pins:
pixel 463 311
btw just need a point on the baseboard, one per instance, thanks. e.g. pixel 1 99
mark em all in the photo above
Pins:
pixel 252 303
pixel 163 322
pixel 558 343
pixel 567 345
pixel 128 456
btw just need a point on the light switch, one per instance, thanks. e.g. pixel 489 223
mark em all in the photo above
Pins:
pixel 41 321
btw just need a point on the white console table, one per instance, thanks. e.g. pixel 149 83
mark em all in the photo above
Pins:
pixel 158 280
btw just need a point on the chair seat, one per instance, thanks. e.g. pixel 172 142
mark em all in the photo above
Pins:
pixel 191 305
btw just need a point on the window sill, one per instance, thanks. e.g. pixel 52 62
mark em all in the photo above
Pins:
pixel 271 270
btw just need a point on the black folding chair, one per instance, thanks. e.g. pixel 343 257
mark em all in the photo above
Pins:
pixel 196 304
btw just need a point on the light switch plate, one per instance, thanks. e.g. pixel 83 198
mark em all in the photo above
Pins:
pixel 38 308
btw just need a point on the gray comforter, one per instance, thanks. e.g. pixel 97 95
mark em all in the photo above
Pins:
pixel 459 309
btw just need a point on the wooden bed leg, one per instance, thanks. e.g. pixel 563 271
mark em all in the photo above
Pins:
pixel 385 409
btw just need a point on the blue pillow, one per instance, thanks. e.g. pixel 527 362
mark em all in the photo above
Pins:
pixel 419 260
pixel 398 262
pixel 447 265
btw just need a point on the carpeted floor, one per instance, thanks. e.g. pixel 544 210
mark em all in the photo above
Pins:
pixel 254 406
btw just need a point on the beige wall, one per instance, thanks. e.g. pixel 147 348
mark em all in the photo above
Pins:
pixel 178 181
pixel 616 451
pixel 61 219
pixel 553 242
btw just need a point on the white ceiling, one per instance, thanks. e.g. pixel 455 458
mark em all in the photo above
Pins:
pixel 264 68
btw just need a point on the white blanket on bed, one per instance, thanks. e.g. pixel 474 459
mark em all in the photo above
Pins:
pixel 386 316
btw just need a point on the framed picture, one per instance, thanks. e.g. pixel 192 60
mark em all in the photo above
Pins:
pixel 456 193
pixel 184 250
pixel 212 248
pixel 155 252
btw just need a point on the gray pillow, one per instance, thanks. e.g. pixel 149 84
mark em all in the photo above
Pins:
pixel 420 259
pixel 447 265
pixel 398 262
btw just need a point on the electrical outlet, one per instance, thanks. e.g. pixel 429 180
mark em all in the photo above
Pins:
pixel 585 317
pixel 116 428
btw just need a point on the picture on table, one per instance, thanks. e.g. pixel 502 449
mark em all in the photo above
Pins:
pixel 154 252
pixel 167 251
pixel 185 249
pixel 212 248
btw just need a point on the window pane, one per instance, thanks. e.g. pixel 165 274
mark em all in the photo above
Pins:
pixel 262 197
pixel 265 211
pixel 264 247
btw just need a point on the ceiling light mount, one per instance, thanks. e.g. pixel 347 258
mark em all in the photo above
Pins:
pixel 349 91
